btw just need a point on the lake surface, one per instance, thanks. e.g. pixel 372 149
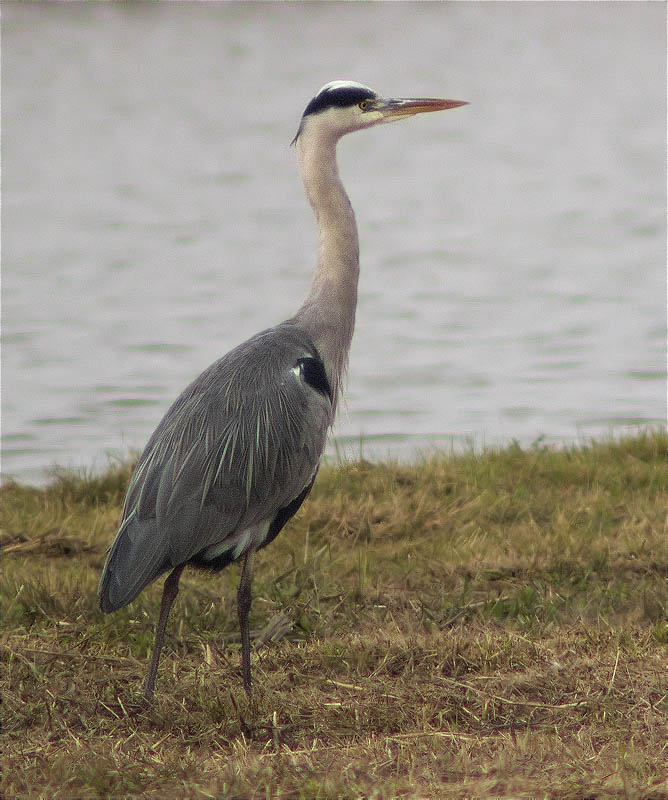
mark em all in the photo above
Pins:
pixel 513 251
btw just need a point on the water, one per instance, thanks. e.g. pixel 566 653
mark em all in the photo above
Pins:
pixel 513 251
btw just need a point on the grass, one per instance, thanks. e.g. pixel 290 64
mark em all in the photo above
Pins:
pixel 470 626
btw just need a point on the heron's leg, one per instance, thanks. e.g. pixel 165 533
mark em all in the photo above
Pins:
pixel 169 592
pixel 243 606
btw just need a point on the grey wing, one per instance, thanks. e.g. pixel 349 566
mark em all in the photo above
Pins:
pixel 239 446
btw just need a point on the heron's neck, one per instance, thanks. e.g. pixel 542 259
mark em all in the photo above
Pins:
pixel 328 313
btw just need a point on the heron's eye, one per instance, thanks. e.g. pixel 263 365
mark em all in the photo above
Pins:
pixel 364 105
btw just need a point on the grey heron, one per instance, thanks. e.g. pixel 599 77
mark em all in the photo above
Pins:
pixel 237 453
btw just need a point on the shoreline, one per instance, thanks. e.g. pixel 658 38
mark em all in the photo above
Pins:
pixel 470 617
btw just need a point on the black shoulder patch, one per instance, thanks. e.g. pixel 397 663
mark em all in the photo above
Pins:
pixel 314 374
pixel 341 96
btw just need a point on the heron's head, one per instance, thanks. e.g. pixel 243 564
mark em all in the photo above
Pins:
pixel 341 107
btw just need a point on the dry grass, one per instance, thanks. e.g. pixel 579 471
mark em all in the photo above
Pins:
pixel 472 626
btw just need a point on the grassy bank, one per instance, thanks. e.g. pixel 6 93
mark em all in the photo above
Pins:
pixel 477 625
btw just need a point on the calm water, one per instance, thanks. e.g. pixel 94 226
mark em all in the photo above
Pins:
pixel 513 251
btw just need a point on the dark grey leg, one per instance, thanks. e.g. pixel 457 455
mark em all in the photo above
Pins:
pixel 243 606
pixel 169 592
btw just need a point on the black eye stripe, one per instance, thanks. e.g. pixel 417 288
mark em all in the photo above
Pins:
pixel 340 97
pixel 315 376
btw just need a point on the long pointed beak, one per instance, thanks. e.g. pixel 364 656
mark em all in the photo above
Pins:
pixel 398 107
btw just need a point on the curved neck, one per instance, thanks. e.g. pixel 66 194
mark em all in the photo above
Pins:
pixel 328 313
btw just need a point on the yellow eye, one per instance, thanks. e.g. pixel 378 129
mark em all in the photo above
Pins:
pixel 364 105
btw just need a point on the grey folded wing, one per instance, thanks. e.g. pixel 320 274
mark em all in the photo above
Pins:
pixel 240 445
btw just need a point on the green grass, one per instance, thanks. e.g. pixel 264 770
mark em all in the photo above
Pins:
pixel 478 625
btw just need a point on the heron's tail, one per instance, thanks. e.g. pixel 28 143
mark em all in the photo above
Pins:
pixel 136 558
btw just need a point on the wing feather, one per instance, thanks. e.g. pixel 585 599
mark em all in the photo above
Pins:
pixel 242 442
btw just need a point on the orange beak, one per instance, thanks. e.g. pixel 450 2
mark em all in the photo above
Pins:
pixel 398 107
